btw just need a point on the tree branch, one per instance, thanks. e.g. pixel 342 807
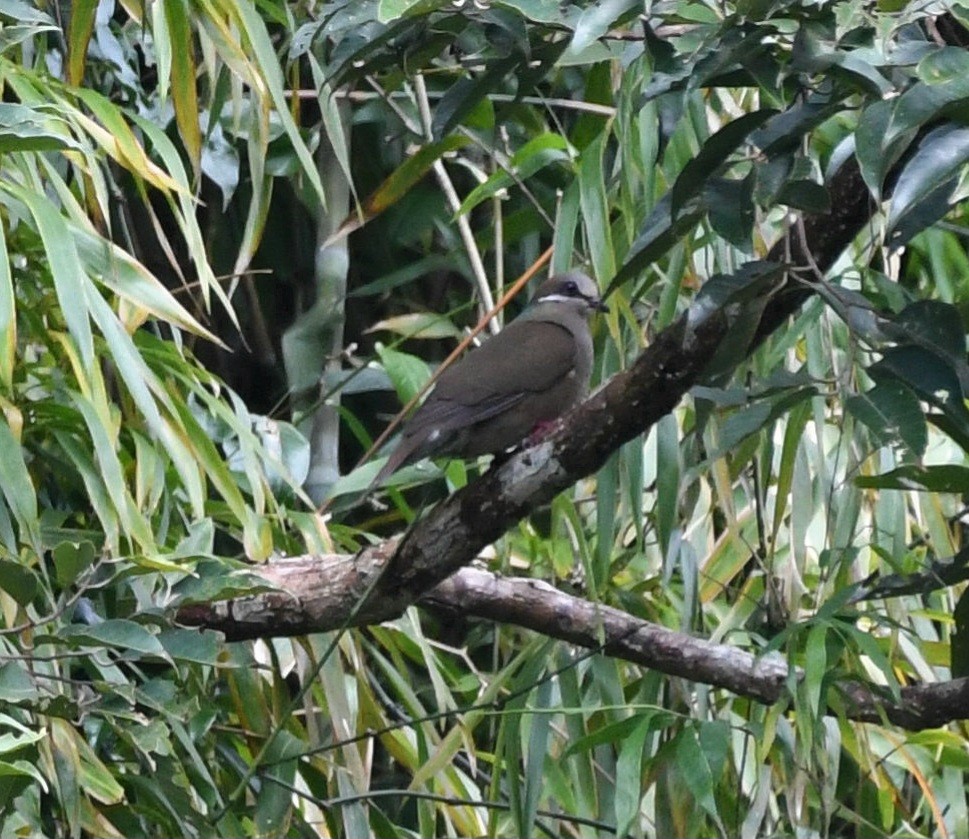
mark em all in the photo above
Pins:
pixel 311 592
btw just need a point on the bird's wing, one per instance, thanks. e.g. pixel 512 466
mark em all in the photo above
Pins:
pixel 527 357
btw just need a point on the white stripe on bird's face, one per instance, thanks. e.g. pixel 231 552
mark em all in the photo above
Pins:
pixel 562 298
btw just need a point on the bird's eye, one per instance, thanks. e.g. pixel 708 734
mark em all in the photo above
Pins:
pixel 571 288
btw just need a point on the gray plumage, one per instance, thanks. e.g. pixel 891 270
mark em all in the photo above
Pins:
pixel 527 375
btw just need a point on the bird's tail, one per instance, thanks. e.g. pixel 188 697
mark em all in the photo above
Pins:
pixel 408 450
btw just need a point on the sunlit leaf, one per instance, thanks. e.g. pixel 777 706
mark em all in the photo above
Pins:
pixel 418 325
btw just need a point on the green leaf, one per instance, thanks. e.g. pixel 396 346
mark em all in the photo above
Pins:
pixel 731 209
pixel 22 768
pixel 668 477
pixel 264 54
pixel 465 96
pixel 618 731
pixel 23 128
pixel 8 318
pixel 959 650
pixel 184 95
pixel 409 173
pixel 194 241
pixel 939 157
pixel 217 579
pixel 408 372
pixel 815 667
pixel 333 118
pixel 96 778
pixel 64 741
pixel 19 581
pixel 893 414
pixel 200 646
pixel 629 769
pixel 71 559
pixel 877 148
pixel 111 131
pixel 390 10
pixel 78 35
pixel 785 131
pixel 16 685
pixel 112 473
pixel 660 232
pixel 948 64
pixel 594 204
pixel 713 156
pixel 117 632
pixel 700 755
pixel 206 455
pixel 942 478
pixel 82 462
pixel 594 22
pixel 743 294
pixel 24 12
pixel 428 325
pixel 275 800
pixel 537 753
pixel 935 326
pixel 930 376
pixel 541 151
pixel 16 486
pixel 806 195
pixel 69 281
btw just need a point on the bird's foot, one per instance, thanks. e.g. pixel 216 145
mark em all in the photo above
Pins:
pixel 535 436
pixel 543 430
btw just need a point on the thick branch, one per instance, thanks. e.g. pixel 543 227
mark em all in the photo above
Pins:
pixel 308 599
pixel 536 605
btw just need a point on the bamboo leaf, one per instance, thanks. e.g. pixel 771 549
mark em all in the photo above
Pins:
pixel 82 15
pixel 69 282
pixel 184 95
pixel 8 317
pixel 16 486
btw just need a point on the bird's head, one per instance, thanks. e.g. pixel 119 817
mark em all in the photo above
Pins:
pixel 573 290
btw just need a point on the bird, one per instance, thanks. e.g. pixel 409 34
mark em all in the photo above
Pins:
pixel 513 385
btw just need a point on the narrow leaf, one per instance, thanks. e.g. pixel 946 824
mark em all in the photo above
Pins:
pixel 16 486
pixel 62 258
pixel 184 95
pixel 8 317
pixel 714 154
pixel 82 15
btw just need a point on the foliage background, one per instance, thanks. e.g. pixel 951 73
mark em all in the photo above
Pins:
pixel 289 181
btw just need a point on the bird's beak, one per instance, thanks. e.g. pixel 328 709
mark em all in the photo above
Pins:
pixel 599 306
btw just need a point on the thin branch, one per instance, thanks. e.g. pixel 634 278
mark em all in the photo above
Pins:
pixel 564 104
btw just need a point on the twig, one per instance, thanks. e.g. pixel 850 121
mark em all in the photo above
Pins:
pixel 454 202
